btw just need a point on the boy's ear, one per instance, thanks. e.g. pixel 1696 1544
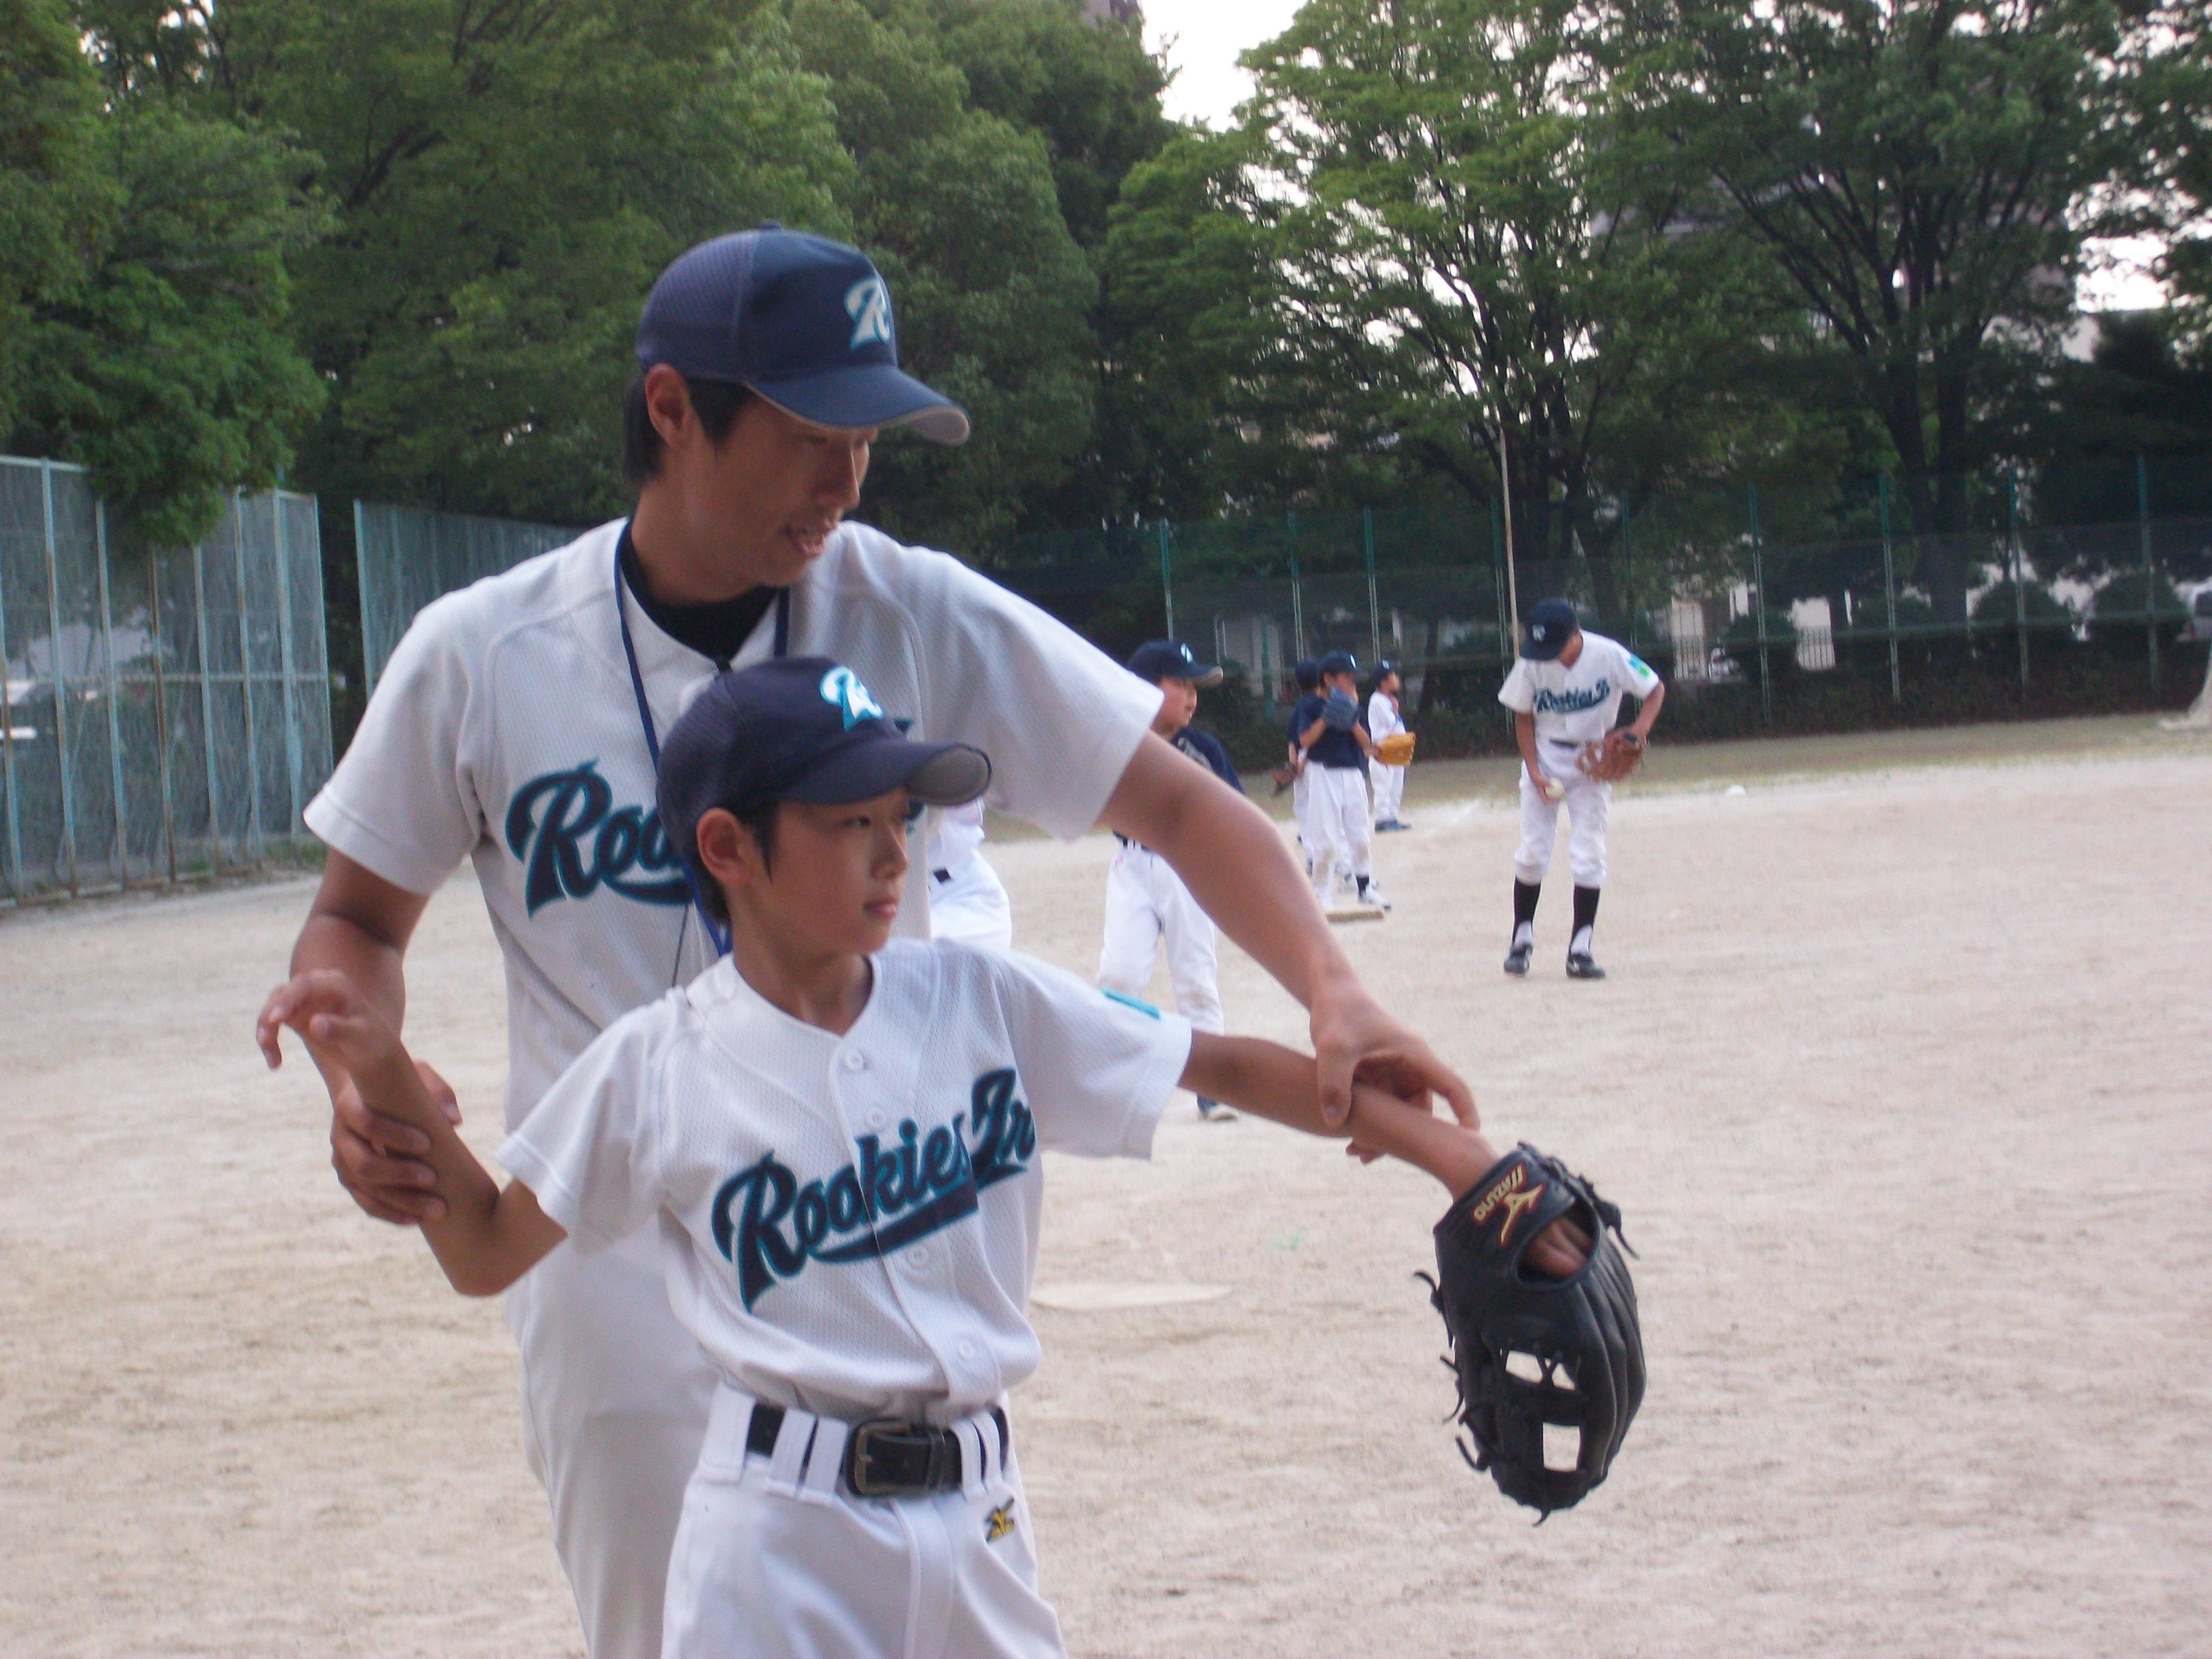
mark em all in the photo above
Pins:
pixel 728 851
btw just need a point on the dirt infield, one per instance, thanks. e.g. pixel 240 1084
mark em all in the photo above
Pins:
pixel 1901 1078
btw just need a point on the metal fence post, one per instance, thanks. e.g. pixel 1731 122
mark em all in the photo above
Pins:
pixel 2143 523
pixel 1167 582
pixel 61 680
pixel 2018 569
pixel 1889 588
pixel 207 705
pixel 1505 617
pixel 1298 597
pixel 1758 612
pixel 114 699
pixel 1367 552
pixel 7 755
pixel 285 660
pixel 245 678
pixel 162 710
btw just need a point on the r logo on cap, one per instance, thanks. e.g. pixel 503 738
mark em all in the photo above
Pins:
pixel 868 303
pixel 842 690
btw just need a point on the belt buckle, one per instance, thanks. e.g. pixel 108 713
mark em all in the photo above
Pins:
pixel 860 1473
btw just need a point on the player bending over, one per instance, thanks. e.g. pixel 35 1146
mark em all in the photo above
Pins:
pixel 839 1134
pixel 1146 903
pixel 1564 692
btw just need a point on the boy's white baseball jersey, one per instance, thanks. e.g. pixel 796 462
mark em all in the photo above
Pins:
pixel 1389 781
pixel 1573 706
pixel 506 730
pixel 849 1226
pixel 968 902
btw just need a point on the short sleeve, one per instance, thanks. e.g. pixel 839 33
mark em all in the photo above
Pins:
pixel 1519 692
pixel 1060 718
pixel 589 1149
pixel 1099 1068
pixel 399 803
pixel 1638 678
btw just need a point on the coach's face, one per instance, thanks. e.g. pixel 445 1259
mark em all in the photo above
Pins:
pixel 781 485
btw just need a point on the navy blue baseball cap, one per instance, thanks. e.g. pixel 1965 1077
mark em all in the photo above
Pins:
pixel 802 729
pixel 1172 660
pixel 1551 625
pixel 1339 662
pixel 803 321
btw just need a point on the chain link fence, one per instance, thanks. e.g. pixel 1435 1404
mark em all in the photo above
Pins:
pixel 168 709
pixel 1767 608
pixel 407 556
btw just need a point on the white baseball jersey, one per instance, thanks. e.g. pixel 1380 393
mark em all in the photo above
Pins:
pixel 1383 716
pixel 1577 705
pixel 850 1223
pixel 506 730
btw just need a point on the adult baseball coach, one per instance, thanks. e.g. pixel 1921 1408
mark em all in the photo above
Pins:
pixel 517 726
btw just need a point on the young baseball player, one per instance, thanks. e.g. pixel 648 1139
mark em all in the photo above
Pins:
pixel 1306 677
pixel 516 727
pixel 1385 717
pixel 1565 691
pixel 1332 733
pixel 967 901
pixel 1146 903
pixel 839 1135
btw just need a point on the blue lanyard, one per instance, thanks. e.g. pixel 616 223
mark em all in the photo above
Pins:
pixel 717 935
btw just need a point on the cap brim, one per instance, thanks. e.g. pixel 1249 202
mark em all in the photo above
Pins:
pixel 876 395
pixel 1206 679
pixel 1536 653
pixel 934 773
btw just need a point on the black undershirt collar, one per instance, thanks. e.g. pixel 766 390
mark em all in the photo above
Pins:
pixel 717 630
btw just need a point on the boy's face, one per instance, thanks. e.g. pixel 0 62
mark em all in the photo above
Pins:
pixel 832 879
pixel 1347 683
pixel 1178 703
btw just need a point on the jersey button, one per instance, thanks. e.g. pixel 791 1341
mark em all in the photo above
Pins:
pixel 917 1259
pixel 855 1060
pixel 877 1120
pixel 967 1350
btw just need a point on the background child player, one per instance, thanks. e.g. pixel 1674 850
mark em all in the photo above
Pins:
pixel 967 901
pixel 1146 903
pixel 1565 691
pixel 840 1137
pixel 1306 677
pixel 1385 717
pixel 1340 822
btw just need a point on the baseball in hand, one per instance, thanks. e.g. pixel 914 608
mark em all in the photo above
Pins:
pixel 1553 789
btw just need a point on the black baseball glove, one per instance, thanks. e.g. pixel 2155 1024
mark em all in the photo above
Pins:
pixel 1530 1350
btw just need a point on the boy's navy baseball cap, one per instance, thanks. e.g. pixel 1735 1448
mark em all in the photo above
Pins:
pixel 803 321
pixel 1551 625
pixel 1172 660
pixel 1338 662
pixel 802 729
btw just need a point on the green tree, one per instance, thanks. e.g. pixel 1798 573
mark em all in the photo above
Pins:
pixel 960 210
pixel 1923 175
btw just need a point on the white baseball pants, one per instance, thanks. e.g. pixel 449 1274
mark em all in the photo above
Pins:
pixel 1146 903
pixel 1390 783
pixel 615 1398
pixel 1341 824
pixel 1588 805
pixel 776 1560
pixel 972 906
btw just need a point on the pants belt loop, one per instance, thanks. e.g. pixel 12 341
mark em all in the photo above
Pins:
pixel 828 1460
pixel 791 1443
pixel 974 1473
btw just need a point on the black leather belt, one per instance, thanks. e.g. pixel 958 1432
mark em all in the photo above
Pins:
pixel 885 1457
pixel 940 875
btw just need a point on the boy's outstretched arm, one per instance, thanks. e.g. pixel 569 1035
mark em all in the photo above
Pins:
pixel 488 1238
pixel 1270 1081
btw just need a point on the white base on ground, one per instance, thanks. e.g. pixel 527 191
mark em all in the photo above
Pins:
pixel 1110 1298
pixel 1899 1077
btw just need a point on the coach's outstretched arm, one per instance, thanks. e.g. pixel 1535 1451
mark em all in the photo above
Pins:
pixel 359 925
pixel 1232 858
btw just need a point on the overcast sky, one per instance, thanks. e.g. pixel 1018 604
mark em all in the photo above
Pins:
pixel 1202 38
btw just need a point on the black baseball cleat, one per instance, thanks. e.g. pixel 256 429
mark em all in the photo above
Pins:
pixel 1583 965
pixel 1516 959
